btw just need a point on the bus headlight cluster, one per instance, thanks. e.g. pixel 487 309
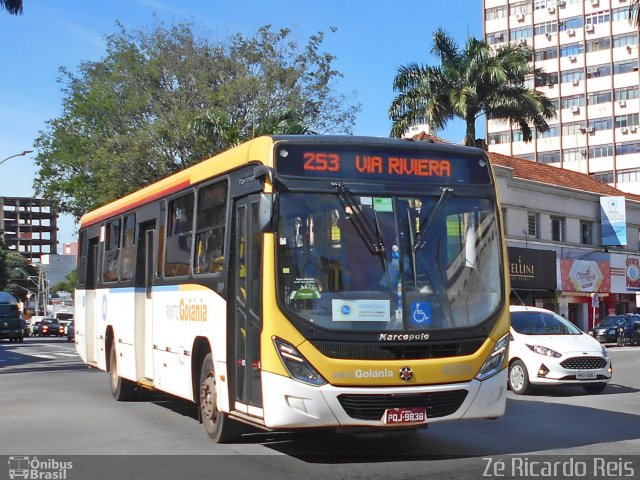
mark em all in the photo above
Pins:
pixel 494 362
pixel 297 366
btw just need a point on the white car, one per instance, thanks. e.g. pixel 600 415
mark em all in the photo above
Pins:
pixel 546 349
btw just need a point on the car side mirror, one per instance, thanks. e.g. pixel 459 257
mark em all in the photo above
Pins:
pixel 268 212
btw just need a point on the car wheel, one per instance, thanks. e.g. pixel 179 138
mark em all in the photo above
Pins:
pixel 519 378
pixel 217 424
pixel 595 387
pixel 121 388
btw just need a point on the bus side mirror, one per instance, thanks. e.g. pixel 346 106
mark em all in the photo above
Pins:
pixel 267 212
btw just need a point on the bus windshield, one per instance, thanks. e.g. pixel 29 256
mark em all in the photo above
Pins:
pixel 391 263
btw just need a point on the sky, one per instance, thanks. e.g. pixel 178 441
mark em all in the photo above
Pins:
pixel 372 40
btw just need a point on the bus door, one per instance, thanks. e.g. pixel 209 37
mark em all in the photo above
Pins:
pixel 91 313
pixel 245 303
pixel 143 301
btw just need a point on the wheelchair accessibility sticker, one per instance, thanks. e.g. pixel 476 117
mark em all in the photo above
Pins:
pixel 421 313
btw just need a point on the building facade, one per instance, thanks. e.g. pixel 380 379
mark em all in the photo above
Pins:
pixel 589 49
pixel 30 226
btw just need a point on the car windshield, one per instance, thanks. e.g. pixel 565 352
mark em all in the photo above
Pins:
pixel 364 263
pixel 533 322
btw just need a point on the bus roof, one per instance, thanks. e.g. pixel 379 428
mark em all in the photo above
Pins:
pixel 258 149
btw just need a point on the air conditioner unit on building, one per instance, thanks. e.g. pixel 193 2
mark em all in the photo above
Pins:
pixel 551 9
pixel 624 130
pixel 576 83
pixel 628 48
pixel 499 36
pixel 589 130
pixel 575 109
pixel 588 28
pixel 633 129
pixel 548 35
pixel 594 3
pixel 583 153
pixel 571 32
pixel 520 17
pixel 572 58
pixel 560 3
pixel 622 103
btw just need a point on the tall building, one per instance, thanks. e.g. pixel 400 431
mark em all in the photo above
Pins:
pixel 30 226
pixel 589 49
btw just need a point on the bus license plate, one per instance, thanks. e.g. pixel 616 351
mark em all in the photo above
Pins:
pixel 393 416
pixel 586 375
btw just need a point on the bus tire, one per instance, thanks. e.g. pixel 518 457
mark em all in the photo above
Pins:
pixel 219 427
pixel 121 388
pixel 519 378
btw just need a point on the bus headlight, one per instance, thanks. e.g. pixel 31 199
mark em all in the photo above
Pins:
pixel 494 363
pixel 297 366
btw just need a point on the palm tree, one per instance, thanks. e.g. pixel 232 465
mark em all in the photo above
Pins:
pixel 14 7
pixel 470 83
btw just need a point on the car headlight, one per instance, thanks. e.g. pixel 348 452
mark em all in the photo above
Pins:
pixel 494 362
pixel 544 351
pixel 297 366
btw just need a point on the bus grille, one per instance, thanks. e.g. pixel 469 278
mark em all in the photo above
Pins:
pixel 584 363
pixel 399 351
pixel 372 407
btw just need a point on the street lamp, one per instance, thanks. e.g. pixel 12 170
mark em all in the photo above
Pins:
pixel 16 155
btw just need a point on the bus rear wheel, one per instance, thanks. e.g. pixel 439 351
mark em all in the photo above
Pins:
pixel 217 424
pixel 121 389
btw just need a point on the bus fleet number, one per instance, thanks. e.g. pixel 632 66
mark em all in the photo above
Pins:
pixel 321 162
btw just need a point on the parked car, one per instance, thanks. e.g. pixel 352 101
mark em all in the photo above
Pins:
pixel 71 331
pixel 546 349
pixel 607 330
pixel 50 327
pixel 26 328
pixel 629 331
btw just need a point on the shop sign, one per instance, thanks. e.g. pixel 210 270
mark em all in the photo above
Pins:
pixel 532 269
pixel 633 273
pixel 614 220
pixel 585 276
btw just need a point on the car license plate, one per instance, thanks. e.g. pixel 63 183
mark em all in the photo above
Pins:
pixel 586 375
pixel 394 416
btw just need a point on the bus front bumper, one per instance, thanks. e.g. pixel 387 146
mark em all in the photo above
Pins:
pixel 292 404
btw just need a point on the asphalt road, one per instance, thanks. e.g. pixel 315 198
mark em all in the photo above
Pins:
pixel 54 407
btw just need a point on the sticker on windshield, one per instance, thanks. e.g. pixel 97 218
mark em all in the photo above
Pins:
pixel 360 310
pixel 421 314
pixel 305 289
pixel 382 205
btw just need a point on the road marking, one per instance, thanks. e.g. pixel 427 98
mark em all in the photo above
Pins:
pixel 67 354
pixel 49 357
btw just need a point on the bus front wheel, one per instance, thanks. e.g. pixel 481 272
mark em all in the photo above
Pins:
pixel 121 389
pixel 217 424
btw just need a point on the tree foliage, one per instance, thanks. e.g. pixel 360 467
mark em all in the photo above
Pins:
pixel 68 284
pixel 14 7
pixel 15 271
pixel 164 99
pixel 469 83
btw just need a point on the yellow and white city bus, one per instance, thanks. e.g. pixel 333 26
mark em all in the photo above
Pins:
pixel 303 282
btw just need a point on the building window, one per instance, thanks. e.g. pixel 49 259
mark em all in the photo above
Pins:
pixel 598 71
pixel 557 229
pixel 533 219
pixel 549 157
pixel 520 7
pixel 571 128
pixel 570 76
pixel 495 13
pixel 625 67
pixel 599 151
pixel 597 17
pixel 545 27
pixel 629 120
pixel 621 13
pixel 572 101
pixel 586 232
pixel 571 49
pixel 573 154
pixel 596 98
pixel 598 44
pixel 628 39
pixel 627 148
pixel 546 54
pixel 554 131
pixel 626 93
pixel 497 37
pixel 571 23
pixel 520 33
pixel 499 137
pixel 600 124
pixel 626 176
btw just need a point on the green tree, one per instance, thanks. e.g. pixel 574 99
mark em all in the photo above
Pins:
pixel 3 262
pixel 18 271
pixel 14 7
pixel 469 83
pixel 68 284
pixel 164 99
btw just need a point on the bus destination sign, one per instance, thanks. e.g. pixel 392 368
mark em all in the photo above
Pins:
pixel 381 164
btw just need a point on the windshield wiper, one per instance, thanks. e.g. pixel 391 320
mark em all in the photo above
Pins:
pixel 369 234
pixel 425 227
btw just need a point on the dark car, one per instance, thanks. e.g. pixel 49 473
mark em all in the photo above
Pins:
pixel 607 330
pixel 71 331
pixel 629 331
pixel 10 323
pixel 50 327
pixel 26 328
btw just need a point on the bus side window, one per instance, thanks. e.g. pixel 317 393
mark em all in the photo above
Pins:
pixel 111 252
pixel 128 255
pixel 179 233
pixel 210 228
